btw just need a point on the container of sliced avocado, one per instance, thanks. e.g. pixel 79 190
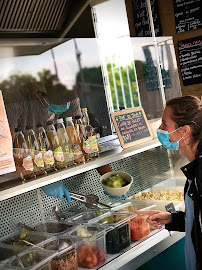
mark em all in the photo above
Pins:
pixel 116 183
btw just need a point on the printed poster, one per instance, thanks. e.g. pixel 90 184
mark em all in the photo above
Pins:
pixel 7 163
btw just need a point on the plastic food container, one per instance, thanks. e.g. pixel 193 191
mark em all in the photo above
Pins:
pixel 166 195
pixel 131 206
pixel 53 227
pixel 58 243
pixel 23 238
pixel 30 259
pixel 161 194
pixel 139 228
pixel 85 217
pixel 6 252
pixel 66 258
pixel 118 230
pixel 91 247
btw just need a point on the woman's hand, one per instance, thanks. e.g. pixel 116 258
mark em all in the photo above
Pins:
pixel 156 218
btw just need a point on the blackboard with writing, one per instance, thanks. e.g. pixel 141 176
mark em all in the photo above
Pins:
pixel 131 126
pixel 190 60
pixel 141 18
pixel 187 15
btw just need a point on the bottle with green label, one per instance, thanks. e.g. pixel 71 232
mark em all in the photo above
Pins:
pixel 65 143
pixel 44 147
pixel 36 154
pixel 75 142
pixel 90 133
pixel 55 145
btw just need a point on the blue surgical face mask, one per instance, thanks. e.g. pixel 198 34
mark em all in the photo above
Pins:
pixel 58 109
pixel 163 137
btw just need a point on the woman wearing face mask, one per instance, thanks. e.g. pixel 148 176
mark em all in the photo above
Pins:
pixel 181 129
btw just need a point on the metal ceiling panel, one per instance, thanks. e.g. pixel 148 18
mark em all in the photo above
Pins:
pixel 32 15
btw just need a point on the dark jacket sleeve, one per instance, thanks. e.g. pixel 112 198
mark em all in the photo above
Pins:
pixel 178 222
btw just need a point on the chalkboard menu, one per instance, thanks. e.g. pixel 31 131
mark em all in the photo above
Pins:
pixel 190 60
pixel 187 15
pixel 131 126
pixel 141 18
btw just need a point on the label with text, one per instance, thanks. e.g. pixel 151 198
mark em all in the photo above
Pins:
pixel 132 126
pixel 141 18
pixel 6 149
pixel 187 15
pixel 190 60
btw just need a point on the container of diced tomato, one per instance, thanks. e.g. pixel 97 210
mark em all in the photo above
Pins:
pixel 91 245
pixel 139 228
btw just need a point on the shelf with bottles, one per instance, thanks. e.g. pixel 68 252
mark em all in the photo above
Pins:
pixel 57 147
pixel 10 189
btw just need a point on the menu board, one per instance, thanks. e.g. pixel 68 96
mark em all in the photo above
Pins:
pixel 131 126
pixel 187 15
pixel 141 18
pixel 190 60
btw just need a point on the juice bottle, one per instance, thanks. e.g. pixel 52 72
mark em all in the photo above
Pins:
pixel 92 139
pixel 44 147
pixel 85 117
pixel 22 156
pixel 90 134
pixel 65 143
pixel 55 145
pixel 36 154
pixel 82 136
pixel 75 142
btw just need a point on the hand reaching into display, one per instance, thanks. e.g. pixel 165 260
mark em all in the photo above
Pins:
pixel 115 197
pixel 155 217
pixel 57 190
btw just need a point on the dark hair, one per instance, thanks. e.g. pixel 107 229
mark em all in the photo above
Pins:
pixel 187 110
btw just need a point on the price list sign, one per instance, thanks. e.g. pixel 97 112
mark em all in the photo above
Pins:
pixel 131 126
pixel 187 15
pixel 190 60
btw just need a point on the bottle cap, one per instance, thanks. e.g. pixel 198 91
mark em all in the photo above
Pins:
pixel 84 109
pixel 28 127
pixel 16 129
pixel 68 119
pixel 59 121
pixel 77 117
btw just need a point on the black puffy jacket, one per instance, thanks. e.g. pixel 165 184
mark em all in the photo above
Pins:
pixel 193 172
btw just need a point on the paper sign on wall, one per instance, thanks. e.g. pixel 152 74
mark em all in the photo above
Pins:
pixel 7 163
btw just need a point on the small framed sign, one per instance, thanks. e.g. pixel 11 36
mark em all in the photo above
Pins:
pixel 131 126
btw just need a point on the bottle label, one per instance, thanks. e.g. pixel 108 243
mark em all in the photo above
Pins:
pixel 38 160
pixel 93 144
pixel 58 154
pixel 48 157
pixel 76 149
pixel 69 152
pixel 28 164
pixel 86 146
